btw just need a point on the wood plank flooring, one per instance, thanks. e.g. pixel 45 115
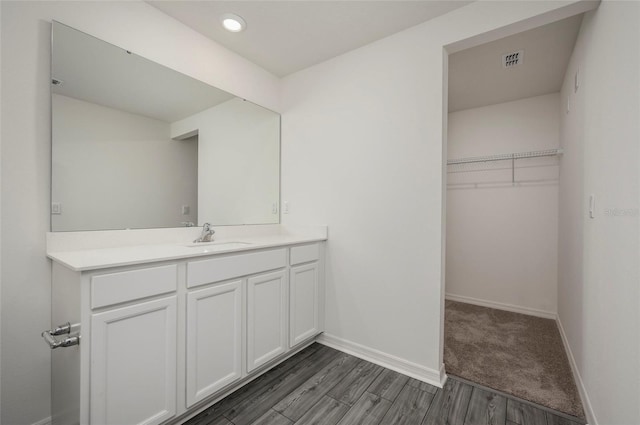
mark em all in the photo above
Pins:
pixel 323 386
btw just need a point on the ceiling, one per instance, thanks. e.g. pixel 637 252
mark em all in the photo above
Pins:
pixel 286 36
pixel 477 77
pixel 98 72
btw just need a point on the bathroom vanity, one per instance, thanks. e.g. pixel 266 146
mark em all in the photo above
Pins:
pixel 168 327
pixel 150 327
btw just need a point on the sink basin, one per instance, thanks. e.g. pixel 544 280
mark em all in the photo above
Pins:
pixel 217 246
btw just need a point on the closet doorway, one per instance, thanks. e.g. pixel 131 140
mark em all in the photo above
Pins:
pixel 503 167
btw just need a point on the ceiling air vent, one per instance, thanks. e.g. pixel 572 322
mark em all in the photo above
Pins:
pixel 509 60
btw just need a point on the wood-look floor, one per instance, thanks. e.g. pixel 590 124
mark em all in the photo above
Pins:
pixel 324 386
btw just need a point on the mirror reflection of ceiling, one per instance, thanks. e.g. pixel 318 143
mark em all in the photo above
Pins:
pixel 477 77
pixel 286 36
pixel 96 72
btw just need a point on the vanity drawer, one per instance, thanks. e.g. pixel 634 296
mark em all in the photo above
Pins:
pixel 218 269
pixel 304 254
pixel 114 288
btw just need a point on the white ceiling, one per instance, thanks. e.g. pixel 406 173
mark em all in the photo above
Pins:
pixel 98 72
pixel 286 36
pixel 477 78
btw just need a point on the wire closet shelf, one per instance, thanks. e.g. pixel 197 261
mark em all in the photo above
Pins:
pixel 506 157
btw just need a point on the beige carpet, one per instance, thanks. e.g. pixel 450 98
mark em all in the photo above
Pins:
pixel 510 352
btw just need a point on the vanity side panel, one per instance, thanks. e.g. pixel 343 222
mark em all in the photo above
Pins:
pixel 65 362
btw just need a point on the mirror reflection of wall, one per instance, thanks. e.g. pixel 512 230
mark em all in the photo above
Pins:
pixel 138 145
pixel 113 169
pixel 237 171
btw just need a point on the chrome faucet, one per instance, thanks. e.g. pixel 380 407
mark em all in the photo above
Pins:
pixel 206 235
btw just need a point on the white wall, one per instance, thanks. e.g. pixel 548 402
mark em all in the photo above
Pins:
pixel 362 153
pixel 502 238
pixel 146 176
pixel 25 153
pixel 238 162
pixel 599 293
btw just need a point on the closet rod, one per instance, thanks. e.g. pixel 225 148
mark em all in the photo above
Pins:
pixel 503 157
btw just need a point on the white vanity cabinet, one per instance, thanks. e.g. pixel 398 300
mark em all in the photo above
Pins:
pixel 214 339
pixel 267 317
pixel 124 369
pixel 133 363
pixel 133 344
pixel 162 340
pixel 304 293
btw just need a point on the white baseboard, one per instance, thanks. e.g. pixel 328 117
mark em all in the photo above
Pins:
pixel 405 367
pixel 586 403
pixel 45 421
pixel 503 306
pixel 443 375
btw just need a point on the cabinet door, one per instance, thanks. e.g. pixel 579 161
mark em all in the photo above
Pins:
pixel 133 364
pixel 266 318
pixel 303 293
pixel 214 337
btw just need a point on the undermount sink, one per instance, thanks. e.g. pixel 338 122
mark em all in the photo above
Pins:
pixel 217 246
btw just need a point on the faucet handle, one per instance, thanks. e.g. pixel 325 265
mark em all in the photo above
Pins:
pixel 207 233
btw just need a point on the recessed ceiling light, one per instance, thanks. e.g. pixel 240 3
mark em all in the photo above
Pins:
pixel 233 23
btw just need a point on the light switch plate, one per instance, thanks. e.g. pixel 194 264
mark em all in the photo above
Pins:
pixel 56 208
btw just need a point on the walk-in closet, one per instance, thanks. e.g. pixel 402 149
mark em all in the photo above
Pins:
pixel 504 162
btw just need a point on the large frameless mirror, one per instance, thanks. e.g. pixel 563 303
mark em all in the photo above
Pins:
pixel 138 145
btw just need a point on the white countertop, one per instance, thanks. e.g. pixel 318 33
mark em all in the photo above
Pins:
pixel 80 257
